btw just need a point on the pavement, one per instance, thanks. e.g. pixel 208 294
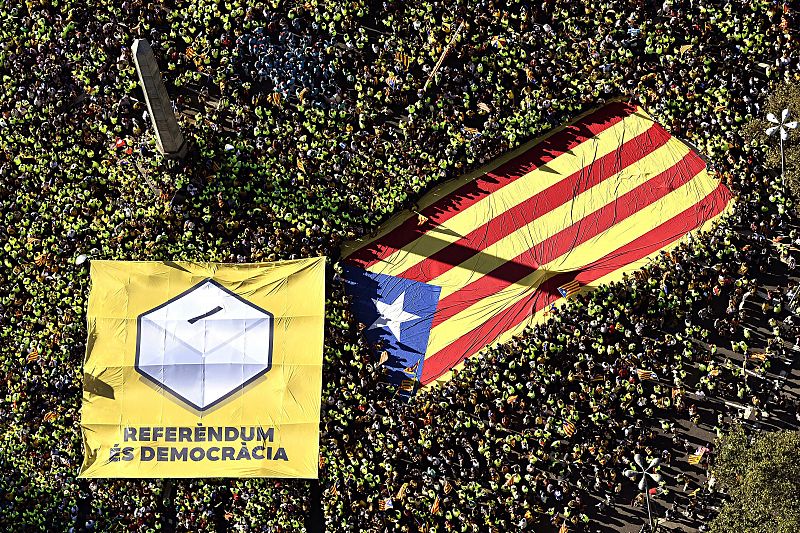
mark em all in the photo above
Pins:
pixel 783 376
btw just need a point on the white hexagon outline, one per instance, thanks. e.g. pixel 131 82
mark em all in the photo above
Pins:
pixel 174 393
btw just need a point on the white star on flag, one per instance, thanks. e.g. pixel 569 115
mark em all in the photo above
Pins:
pixel 392 315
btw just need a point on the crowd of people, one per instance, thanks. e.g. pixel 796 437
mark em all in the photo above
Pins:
pixel 310 123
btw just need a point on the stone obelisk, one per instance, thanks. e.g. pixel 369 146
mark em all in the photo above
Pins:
pixel 169 138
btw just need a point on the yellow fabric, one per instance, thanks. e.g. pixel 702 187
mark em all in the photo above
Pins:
pixel 281 405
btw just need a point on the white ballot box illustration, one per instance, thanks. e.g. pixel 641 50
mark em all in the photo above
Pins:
pixel 204 344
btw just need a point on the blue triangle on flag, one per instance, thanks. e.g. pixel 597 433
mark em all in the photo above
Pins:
pixel 562 291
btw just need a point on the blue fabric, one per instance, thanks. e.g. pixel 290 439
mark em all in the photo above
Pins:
pixel 420 299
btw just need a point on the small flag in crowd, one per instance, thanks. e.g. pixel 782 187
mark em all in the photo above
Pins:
pixel 646 374
pixel 407 385
pixel 484 107
pixel 498 42
pixel 569 428
pixel 568 289
pixel 435 506
pixel 412 369
pixel 403 59
pixel 447 487
pixel 695 458
pixel 384 357
pixel 386 504
pixel 391 80
pixel 276 98
pixel 402 492
pixel 49 417
pixel 758 356
pixel 301 165
pixel 334 491
pixel 564 528
pixel 33 356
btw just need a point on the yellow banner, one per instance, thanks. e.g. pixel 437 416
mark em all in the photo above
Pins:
pixel 203 370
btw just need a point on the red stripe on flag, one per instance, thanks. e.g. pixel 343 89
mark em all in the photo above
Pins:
pixel 539 205
pixel 547 293
pixel 581 231
pixel 470 193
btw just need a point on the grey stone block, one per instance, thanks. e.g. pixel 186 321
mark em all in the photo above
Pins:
pixel 169 138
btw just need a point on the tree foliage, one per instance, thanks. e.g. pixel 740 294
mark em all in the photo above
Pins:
pixel 785 96
pixel 762 476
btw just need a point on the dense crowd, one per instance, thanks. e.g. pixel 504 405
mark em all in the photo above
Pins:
pixel 309 124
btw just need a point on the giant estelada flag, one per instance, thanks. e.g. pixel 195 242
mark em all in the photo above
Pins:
pixel 203 369
pixel 486 255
